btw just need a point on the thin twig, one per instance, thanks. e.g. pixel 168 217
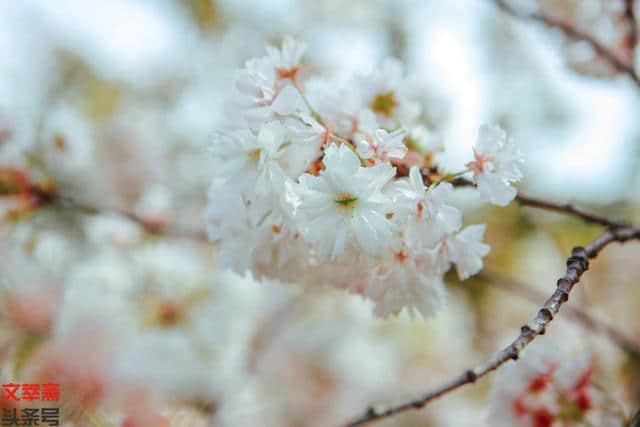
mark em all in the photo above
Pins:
pixel 568 208
pixel 628 345
pixel 556 207
pixel 577 264
pixel 623 65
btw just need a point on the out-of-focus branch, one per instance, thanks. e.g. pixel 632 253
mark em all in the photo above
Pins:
pixel 623 65
pixel 30 195
pixel 151 227
pixel 628 345
pixel 47 197
pixel 577 264
pixel 629 13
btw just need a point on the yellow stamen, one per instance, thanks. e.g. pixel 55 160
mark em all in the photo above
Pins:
pixel 346 200
pixel 384 103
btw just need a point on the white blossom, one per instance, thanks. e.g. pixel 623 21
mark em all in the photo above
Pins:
pixel 345 203
pixel 263 87
pixel 246 161
pixel 388 93
pixel 431 216
pixel 304 189
pixel 399 283
pixel 384 146
pixel 496 165
pixel 254 91
pixel 465 249
pixel 286 60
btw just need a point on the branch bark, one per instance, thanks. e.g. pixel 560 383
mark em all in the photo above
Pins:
pixel 577 264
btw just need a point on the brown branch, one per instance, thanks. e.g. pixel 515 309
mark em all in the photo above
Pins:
pixel 622 65
pixel 577 264
pixel 569 209
pixel 556 207
pixel 628 345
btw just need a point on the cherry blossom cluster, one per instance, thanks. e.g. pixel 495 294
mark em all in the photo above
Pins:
pixel 545 389
pixel 321 183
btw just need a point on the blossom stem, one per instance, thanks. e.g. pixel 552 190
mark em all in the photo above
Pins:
pixel 449 177
pixel 363 161
pixel 320 120
pixel 314 113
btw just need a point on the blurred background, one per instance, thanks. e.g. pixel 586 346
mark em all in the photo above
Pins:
pixel 110 105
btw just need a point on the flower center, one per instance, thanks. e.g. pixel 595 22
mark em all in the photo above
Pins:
pixel 384 103
pixel 254 155
pixel 401 256
pixel 346 200
pixel 480 163
pixel 287 74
